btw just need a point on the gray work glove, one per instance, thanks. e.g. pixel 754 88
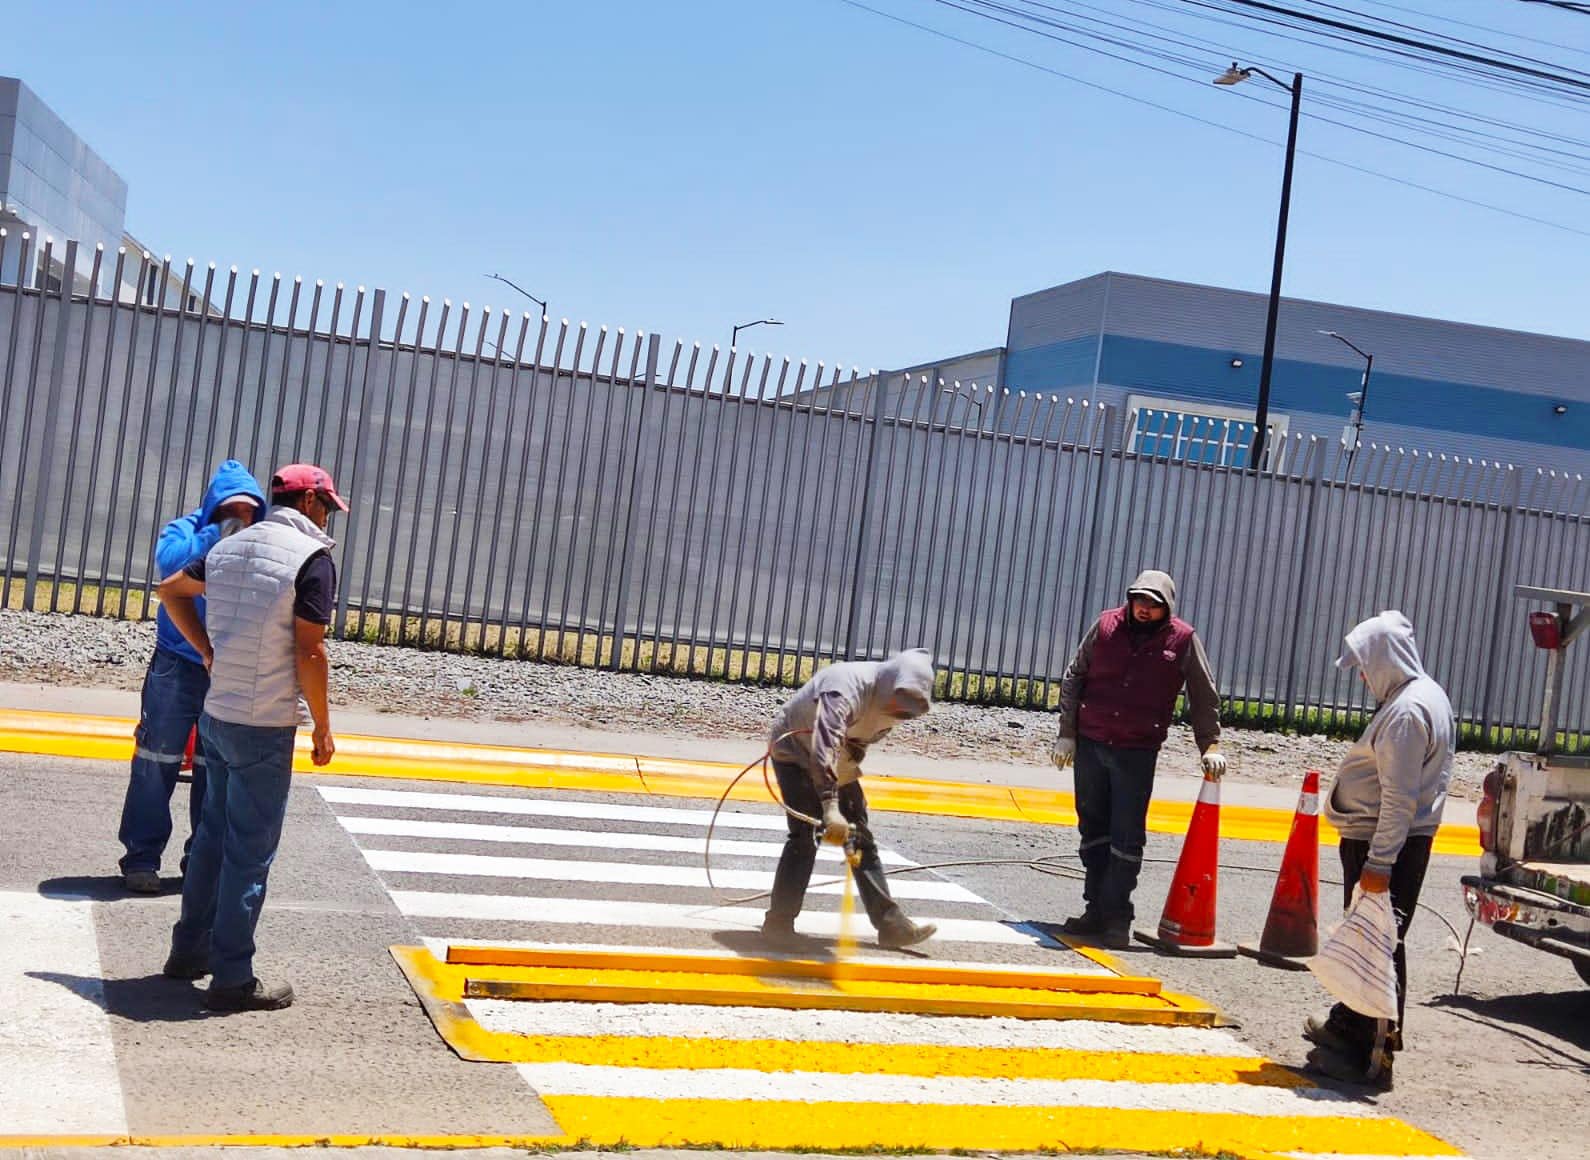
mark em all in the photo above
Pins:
pixel 1214 763
pixel 836 830
pixel 1063 752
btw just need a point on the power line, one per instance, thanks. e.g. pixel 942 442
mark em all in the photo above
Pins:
pixel 1135 99
pixel 987 9
pixel 1422 45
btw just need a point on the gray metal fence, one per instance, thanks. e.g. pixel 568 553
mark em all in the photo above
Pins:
pixel 532 489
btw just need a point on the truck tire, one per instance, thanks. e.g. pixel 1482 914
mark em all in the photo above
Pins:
pixel 1583 968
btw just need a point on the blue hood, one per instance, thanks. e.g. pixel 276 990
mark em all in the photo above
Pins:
pixel 190 537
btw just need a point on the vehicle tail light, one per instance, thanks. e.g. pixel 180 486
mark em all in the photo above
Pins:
pixel 1490 796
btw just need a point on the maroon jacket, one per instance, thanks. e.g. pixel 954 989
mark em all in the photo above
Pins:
pixel 1121 689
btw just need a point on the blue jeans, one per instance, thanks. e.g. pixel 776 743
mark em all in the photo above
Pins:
pixel 173 698
pixel 1113 788
pixel 250 770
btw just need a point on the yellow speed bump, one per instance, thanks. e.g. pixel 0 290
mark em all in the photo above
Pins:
pixel 636 986
pixel 916 972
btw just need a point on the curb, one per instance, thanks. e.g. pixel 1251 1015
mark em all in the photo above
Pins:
pixel 110 739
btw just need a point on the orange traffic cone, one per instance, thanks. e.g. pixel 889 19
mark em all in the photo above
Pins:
pixel 1187 927
pixel 187 756
pixel 1291 933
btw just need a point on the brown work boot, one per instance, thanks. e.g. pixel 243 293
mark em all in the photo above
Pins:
pixel 901 932
pixel 251 996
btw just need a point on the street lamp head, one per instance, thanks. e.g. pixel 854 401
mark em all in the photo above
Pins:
pixel 1233 75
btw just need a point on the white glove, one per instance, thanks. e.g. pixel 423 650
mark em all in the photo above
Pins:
pixel 1214 763
pixel 1063 752
pixel 836 831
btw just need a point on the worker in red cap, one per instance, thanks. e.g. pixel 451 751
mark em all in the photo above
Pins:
pixel 270 590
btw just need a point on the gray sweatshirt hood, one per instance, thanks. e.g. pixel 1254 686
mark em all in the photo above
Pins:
pixel 910 675
pixel 1159 585
pixel 1383 648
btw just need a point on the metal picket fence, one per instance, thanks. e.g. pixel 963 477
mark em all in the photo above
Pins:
pixel 537 490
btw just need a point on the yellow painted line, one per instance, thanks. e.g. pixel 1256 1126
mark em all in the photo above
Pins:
pixel 1121 983
pixel 110 739
pixel 616 986
pixel 783 1055
pixel 342 1140
pixel 828 1127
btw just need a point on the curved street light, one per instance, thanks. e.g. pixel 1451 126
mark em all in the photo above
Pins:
pixel 541 302
pixel 1235 75
pixel 734 334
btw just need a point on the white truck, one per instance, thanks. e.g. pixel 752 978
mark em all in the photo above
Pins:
pixel 1534 817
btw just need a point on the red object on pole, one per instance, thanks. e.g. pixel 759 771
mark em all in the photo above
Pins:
pixel 1187 926
pixel 1291 932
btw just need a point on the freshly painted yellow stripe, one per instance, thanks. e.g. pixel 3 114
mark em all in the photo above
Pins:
pixel 647 1123
pixel 344 1140
pixel 901 972
pixel 110 739
pixel 617 986
pixel 783 1055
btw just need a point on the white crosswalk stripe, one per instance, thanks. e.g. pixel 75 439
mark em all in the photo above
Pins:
pixel 631 872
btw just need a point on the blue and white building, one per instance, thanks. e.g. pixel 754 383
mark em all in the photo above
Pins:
pixel 1151 345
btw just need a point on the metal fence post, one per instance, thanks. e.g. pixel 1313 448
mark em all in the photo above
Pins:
pixel 352 480
pixel 625 554
pixel 1105 415
pixel 864 525
pixel 1304 561
pixel 52 408
pixel 1499 604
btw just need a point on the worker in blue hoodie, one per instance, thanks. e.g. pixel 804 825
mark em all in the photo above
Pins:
pixel 176 684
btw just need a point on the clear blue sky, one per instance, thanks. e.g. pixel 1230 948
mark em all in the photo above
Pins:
pixel 681 166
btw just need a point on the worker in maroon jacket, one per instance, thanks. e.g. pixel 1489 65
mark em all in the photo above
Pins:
pixel 1116 701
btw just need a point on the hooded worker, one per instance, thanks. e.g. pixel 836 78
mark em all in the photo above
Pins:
pixel 1386 800
pixel 1116 701
pixel 176 683
pixel 819 740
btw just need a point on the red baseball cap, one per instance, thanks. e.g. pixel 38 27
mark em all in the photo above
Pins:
pixel 307 477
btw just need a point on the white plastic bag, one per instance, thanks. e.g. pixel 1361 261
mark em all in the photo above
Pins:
pixel 1356 964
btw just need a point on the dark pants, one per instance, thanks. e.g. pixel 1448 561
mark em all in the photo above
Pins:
pixel 173 698
pixel 1407 879
pixel 800 851
pixel 1113 787
pixel 251 770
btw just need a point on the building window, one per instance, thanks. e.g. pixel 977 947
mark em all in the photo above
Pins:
pixel 1193 432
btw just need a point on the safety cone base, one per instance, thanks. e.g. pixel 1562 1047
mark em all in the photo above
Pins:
pixel 1166 946
pixel 1270 959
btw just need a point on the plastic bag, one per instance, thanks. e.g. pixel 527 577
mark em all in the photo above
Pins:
pixel 1357 963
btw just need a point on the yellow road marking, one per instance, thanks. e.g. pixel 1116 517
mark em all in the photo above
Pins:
pixel 110 739
pixel 771 1124
pixel 623 986
pixel 784 1055
pixel 902 972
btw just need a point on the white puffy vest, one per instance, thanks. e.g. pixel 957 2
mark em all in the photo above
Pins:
pixel 249 583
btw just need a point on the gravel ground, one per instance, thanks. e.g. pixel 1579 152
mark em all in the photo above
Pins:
pixel 84 651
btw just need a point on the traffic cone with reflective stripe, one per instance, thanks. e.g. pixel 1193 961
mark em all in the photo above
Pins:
pixel 1187 926
pixel 187 754
pixel 1291 933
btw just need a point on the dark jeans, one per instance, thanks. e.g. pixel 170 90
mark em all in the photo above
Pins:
pixel 173 698
pixel 1407 879
pixel 800 851
pixel 250 774
pixel 1113 787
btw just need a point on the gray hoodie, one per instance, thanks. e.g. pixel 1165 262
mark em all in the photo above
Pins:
pixel 1393 781
pixel 847 707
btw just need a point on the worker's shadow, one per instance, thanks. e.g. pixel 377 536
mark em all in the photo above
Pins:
pixel 151 999
pixel 101 888
pixel 1563 1015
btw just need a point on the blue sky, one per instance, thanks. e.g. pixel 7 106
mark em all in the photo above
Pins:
pixel 679 167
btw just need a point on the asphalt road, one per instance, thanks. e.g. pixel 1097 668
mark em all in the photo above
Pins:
pixel 1499 1071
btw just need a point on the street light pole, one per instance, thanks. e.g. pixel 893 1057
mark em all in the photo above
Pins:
pixel 1236 75
pixel 1363 386
pixel 734 334
pixel 541 302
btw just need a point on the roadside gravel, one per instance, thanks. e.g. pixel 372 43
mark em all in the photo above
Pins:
pixel 86 651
